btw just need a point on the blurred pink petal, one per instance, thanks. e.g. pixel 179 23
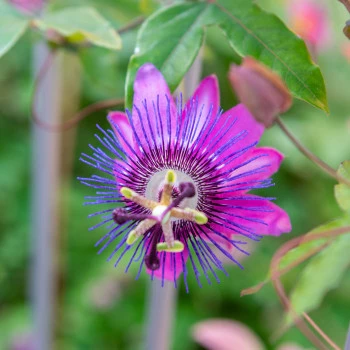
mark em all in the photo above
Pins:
pixel 221 334
pixel 309 19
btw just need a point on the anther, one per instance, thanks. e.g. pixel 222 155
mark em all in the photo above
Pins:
pixel 177 247
pixel 127 192
pixel 170 177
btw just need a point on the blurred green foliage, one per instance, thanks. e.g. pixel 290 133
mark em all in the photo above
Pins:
pixel 102 308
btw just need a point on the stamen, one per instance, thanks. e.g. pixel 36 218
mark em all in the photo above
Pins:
pixel 137 198
pixel 168 233
pixel 140 229
pixel 190 215
pixel 170 179
pixel 161 214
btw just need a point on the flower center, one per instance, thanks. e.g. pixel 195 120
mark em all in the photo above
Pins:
pixel 163 213
pixel 156 183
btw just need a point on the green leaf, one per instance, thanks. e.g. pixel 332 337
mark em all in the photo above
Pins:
pixel 78 24
pixel 296 253
pixel 302 251
pixel 170 39
pixel 12 27
pixel 323 273
pixel 251 31
pixel 342 191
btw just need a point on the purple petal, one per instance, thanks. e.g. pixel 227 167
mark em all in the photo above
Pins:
pixel 236 121
pixel 154 112
pixel 275 220
pixel 260 164
pixel 121 126
pixel 170 271
pixel 206 99
pixel 267 159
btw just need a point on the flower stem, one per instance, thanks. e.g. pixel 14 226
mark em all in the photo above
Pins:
pixel 160 316
pixel 320 163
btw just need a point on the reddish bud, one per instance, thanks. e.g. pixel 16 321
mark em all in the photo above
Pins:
pixel 260 89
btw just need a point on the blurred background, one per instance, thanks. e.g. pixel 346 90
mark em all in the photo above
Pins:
pixel 100 307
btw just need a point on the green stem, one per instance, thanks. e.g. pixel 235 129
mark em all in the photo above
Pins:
pixel 319 162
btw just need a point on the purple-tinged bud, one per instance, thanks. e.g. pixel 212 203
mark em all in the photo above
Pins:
pixel 261 90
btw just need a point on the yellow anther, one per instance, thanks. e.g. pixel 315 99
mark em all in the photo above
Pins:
pixel 170 177
pixel 177 247
pixel 200 217
pixel 139 230
pixel 132 238
pixel 127 192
